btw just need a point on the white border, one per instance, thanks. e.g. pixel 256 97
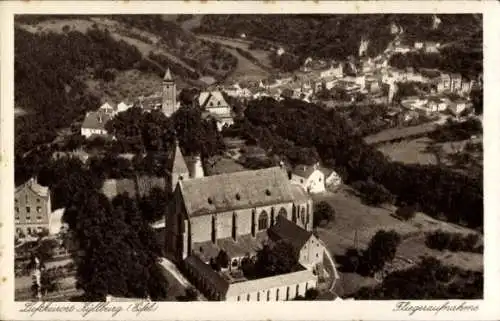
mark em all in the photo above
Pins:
pixel 373 310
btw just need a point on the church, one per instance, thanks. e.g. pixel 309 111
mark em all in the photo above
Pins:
pixel 238 213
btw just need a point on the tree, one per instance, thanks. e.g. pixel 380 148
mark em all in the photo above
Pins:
pixel 406 212
pixel 323 213
pixel 382 249
pixel 278 259
pixel 223 259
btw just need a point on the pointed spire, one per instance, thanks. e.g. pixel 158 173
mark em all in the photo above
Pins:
pixel 179 165
pixel 168 76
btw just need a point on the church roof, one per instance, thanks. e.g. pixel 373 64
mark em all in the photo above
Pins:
pixel 290 232
pixel 168 76
pixel 179 164
pixel 245 189
pixel 96 120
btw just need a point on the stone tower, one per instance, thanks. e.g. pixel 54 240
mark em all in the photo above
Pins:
pixel 169 93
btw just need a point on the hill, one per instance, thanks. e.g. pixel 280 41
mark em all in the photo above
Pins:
pixel 339 36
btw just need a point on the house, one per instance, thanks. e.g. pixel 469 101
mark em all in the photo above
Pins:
pixel 95 123
pixel 418 45
pixel 107 108
pixel 124 106
pixel 214 103
pixel 443 82
pixel 455 82
pixel 307 247
pixel 238 213
pixel 332 178
pixel 309 177
pixel 336 70
pixel 437 104
pixel 458 106
pixel 432 47
pixel 32 208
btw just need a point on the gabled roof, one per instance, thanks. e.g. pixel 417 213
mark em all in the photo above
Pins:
pixel 303 170
pixel 290 232
pixel 245 189
pixel 214 278
pixel 96 120
pixel 206 96
pixel 33 185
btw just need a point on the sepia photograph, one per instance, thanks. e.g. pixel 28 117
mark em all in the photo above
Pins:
pixel 257 157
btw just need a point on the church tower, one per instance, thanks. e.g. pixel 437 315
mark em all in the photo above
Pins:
pixel 169 93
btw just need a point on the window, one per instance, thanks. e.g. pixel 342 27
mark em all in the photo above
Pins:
pixel 16 209
pixel 213 229
pixel 303 215
pixel 297 290
pixel 263 220
pixel 17 218
pixel 28 218
pixel 294 214
pixel 268 295
pixel 277 294
pixel 38 217
pixel 248 297
pixel 38 200
pixel 253 222
pixel 238 297
pixel 282 212
pixel 234 229
pixel 287 292
pixel 258 296
pixel 38 209
pixel 28 209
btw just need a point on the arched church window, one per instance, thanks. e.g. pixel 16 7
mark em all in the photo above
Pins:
pixel 282 212
pixel 294 213
pixel 234 227
pixel 263 220
pixel 303 215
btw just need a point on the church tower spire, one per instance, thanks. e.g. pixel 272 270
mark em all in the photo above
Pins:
pixel 169 94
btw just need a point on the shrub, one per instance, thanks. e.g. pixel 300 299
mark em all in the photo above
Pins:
pixel 455 242
pixel 406 212
pixel 373 193
pixel 381 249
pixel 323 212
pixel 222 259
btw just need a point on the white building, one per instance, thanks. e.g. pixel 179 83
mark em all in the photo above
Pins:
pixel 309 177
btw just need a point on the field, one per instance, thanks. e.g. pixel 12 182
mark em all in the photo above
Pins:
pixel 354 220
pixel 427 152
pixel 245 70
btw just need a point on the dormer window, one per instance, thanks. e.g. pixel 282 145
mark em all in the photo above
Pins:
pixel 238 197
pixel 268 192
pixel 181 177
pixel 210 201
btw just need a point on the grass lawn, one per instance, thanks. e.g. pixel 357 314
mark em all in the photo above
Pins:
pixel 352 215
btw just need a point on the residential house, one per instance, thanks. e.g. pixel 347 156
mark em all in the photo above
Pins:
pixel 432 47
pixel 336 70
pixel 443 83
pixel 124 106
pixel 32 208
pixel 418 45
pixel 214 103
pixel 309 177
pixel 95 123
pixel 455 82
pixel 437 104
pixel 458 106
pixel 332 178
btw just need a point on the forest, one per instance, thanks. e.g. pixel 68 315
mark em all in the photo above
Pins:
pixel 338 36
pixel 283 127
pixel 48 75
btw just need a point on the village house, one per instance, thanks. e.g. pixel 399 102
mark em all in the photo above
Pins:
pixel 94 123
pixel 418 45
pixel 437 104
pixel 332 178
pixel 214 103
pixel 458 106
pixel 336 70
pixel 309 177
pixel 32 208
pixel 455 82
pixel 240 209
pixel 432 47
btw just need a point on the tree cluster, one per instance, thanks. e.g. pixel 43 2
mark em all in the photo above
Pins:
pixel 441 240
pixel 456 131
pixel 275 125
pixel 278 258
pixel 429 280
pixel 373 193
